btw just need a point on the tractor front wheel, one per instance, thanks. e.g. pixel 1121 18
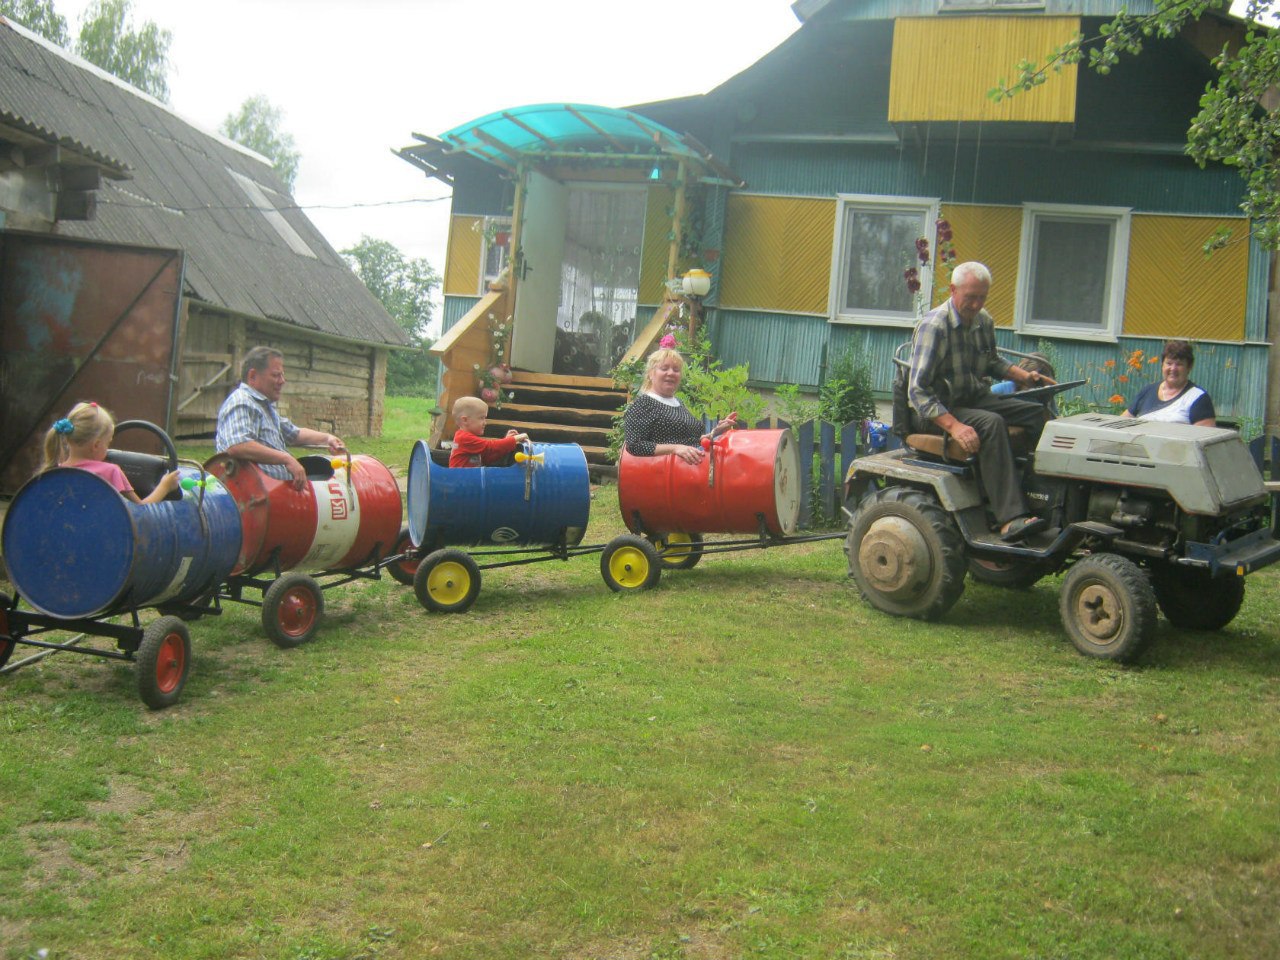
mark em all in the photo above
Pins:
pixel 1108 607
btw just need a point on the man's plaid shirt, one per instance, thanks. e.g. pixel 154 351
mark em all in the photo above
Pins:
pixel 948 361
pixel 247 414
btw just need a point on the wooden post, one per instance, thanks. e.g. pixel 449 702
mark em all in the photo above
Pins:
pixel 677 222
pixel 517 211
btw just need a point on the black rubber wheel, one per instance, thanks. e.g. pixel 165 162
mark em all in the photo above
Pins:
pixel 403 570
pixel 630 563
pixel 291 610
pixel 447 581
pixel 678 551
pixel 1108 607
pixel 1193 600
pixel 1010 576
pixel 905 553
pixel 163 660
pixel 7 643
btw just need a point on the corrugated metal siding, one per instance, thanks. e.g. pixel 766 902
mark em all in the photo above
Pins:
pixel 924 86
pixel 455 308
pixel 1255 323
pixel 991 235
pixel 1235 375
pixel 777 253
pixel 782 348
pixel 1174 290
pixel 660 205
pixel 989 173
pixel 462 261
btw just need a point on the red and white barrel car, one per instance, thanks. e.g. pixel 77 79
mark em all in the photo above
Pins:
pixel 344 522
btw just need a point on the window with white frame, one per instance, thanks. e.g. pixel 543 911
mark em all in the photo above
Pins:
pixel 875 244
pixel 1073 266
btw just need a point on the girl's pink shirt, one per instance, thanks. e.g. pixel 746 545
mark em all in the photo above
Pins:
pixel 109 472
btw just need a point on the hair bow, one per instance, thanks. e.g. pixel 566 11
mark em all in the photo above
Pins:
pixel 668 342
pixel 64 426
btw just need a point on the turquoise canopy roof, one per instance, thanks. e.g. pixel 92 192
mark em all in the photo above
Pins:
pixel 559 131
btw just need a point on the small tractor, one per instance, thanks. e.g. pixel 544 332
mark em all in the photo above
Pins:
pixel 1140 514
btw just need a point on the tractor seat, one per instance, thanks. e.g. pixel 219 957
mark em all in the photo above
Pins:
pixel 943 447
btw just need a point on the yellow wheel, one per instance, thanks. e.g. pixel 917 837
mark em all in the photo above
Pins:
pixel 630 563
pixel 447 581
pixel 679 551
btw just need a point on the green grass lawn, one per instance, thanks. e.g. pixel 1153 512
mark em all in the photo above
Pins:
pixel 748 761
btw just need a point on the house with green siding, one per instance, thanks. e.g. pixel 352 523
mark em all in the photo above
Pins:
pixel 806 180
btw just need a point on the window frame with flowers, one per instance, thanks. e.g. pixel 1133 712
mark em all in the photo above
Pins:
pixel 925 212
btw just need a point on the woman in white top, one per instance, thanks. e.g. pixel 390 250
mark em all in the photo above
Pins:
pixel 1175 399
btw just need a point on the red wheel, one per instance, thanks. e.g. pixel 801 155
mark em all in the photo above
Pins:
pixel 164 659
pixel 291 610
pixel 403 570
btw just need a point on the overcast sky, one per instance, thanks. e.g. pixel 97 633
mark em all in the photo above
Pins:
pixel 355 80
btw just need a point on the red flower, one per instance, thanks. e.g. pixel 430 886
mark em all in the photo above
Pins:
pixel 1116 399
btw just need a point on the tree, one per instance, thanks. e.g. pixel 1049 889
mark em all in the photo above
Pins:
pixel 39 17
pixel 257 126
pixel 1236 124
pixel 139 57
pixel 402 285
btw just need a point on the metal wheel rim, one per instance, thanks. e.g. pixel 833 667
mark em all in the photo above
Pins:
pixel 1099 613
pixel 170 661
pixel 676 547
pixel 448 582
pixel 629 567
pixel 297 611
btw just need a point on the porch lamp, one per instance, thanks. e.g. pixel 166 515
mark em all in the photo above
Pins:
pixel 696 283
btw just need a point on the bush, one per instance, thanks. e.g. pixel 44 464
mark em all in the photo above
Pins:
pixel 846 395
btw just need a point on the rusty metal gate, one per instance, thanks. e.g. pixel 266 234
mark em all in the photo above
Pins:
pixel 82 320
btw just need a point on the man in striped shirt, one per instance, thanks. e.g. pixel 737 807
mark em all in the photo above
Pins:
pixel 250 426
pixel 953 350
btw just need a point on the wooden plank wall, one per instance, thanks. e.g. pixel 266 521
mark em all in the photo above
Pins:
pixel 332 385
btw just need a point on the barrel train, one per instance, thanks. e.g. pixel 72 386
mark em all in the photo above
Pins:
pixel 83 558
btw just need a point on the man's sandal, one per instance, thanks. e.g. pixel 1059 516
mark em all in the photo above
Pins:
pixel 1022 528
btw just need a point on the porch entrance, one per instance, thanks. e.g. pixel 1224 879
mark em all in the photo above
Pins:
pixel 599 278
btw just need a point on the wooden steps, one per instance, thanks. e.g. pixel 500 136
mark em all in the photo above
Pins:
pixel 562 409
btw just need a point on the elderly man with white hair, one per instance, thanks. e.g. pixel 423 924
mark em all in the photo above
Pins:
pixel 953 350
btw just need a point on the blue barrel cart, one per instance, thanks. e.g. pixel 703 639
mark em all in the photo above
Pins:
pixel 82 558
pixel 535 510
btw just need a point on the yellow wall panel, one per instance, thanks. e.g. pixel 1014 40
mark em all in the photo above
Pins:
pixel 657 243
pixel 462 261
pixel 1174 291
pixel 943 67
pixel 777 253
pixel 990 235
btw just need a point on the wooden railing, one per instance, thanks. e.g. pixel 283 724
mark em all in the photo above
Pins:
pixel 462 346
pixel 649 335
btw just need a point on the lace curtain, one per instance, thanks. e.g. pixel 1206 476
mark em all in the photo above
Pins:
pixel 599 281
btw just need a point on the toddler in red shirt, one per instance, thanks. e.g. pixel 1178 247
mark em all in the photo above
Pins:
pixel 470 447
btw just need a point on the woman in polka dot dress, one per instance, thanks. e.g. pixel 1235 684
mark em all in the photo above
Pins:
pixel 656 423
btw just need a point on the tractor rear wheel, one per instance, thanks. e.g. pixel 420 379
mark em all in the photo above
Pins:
pixel 906 554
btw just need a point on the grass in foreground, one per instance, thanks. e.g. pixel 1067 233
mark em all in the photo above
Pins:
pixel 746 762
